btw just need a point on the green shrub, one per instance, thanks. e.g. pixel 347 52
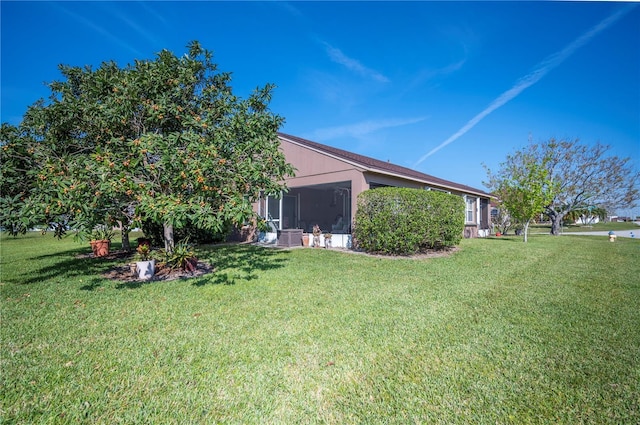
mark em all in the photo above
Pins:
pixel 402 221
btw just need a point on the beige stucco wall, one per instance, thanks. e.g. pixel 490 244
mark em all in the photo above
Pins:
pixel 314 168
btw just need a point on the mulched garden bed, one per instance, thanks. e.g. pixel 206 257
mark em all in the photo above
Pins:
pixel 126 272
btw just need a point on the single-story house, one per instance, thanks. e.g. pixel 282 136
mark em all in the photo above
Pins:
pixel 588 220
pixel 326 185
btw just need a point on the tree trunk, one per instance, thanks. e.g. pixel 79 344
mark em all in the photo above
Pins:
pixel 556 223
pixel 526 230
pixel 169 243
pixel 124 233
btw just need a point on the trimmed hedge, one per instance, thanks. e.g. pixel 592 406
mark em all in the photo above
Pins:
pixel 402 221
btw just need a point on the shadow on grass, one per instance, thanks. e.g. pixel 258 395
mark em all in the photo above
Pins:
pixel 239 262
pixel 231 263
pixel 94 284
pixel 67 268
pixel 69 264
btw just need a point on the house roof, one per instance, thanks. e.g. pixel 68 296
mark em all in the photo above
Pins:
pixel 381 167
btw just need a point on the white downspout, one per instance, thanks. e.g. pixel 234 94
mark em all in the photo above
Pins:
pixel 280 211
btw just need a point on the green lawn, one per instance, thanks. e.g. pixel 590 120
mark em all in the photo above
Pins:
pixel 501 332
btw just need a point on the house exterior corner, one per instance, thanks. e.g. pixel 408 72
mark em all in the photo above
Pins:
pixel 327 183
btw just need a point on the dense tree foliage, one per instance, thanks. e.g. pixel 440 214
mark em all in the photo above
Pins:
pixel 163 140
pixel 582 177
pixel 402 221
pixel 18 161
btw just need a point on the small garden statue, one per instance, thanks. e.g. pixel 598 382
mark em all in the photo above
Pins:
pixel 327 240
pixel 316 236
pixel 612 236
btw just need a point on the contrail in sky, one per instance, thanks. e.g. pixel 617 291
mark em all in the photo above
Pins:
pixel 530 79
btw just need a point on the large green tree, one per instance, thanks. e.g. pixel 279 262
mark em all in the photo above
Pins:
pixel 583 176
pixel 523 187
pixel 163 140
pixel 587 176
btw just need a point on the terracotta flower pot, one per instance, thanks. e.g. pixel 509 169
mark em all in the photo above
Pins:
pixel 100 248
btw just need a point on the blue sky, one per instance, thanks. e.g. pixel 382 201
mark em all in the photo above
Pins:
pixel 442 87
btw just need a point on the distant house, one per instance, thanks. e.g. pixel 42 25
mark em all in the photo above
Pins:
pixel 328 180
pixel 618 219
pixel 588 220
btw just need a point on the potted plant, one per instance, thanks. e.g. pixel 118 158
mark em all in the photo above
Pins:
pixel 327 240
pixel 101 240
pixel 144 241
pixel 305 239
pixel 146 266
pixel 183 257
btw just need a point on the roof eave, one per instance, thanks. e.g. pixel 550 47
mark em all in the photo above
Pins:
pixel 370 169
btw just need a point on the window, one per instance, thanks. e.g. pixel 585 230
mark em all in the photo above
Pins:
pixel 470 216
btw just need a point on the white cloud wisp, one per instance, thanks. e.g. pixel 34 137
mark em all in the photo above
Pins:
pixel 363 128
pixel 337 56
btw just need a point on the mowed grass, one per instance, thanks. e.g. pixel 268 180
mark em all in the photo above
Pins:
pixel 498 332
pixel 595 227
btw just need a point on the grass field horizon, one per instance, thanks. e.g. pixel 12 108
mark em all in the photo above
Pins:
pixel 497 332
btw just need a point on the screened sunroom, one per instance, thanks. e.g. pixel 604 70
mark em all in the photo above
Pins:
pixel 326 205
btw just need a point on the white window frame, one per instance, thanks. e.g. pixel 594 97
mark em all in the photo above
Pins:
pixel 471 209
